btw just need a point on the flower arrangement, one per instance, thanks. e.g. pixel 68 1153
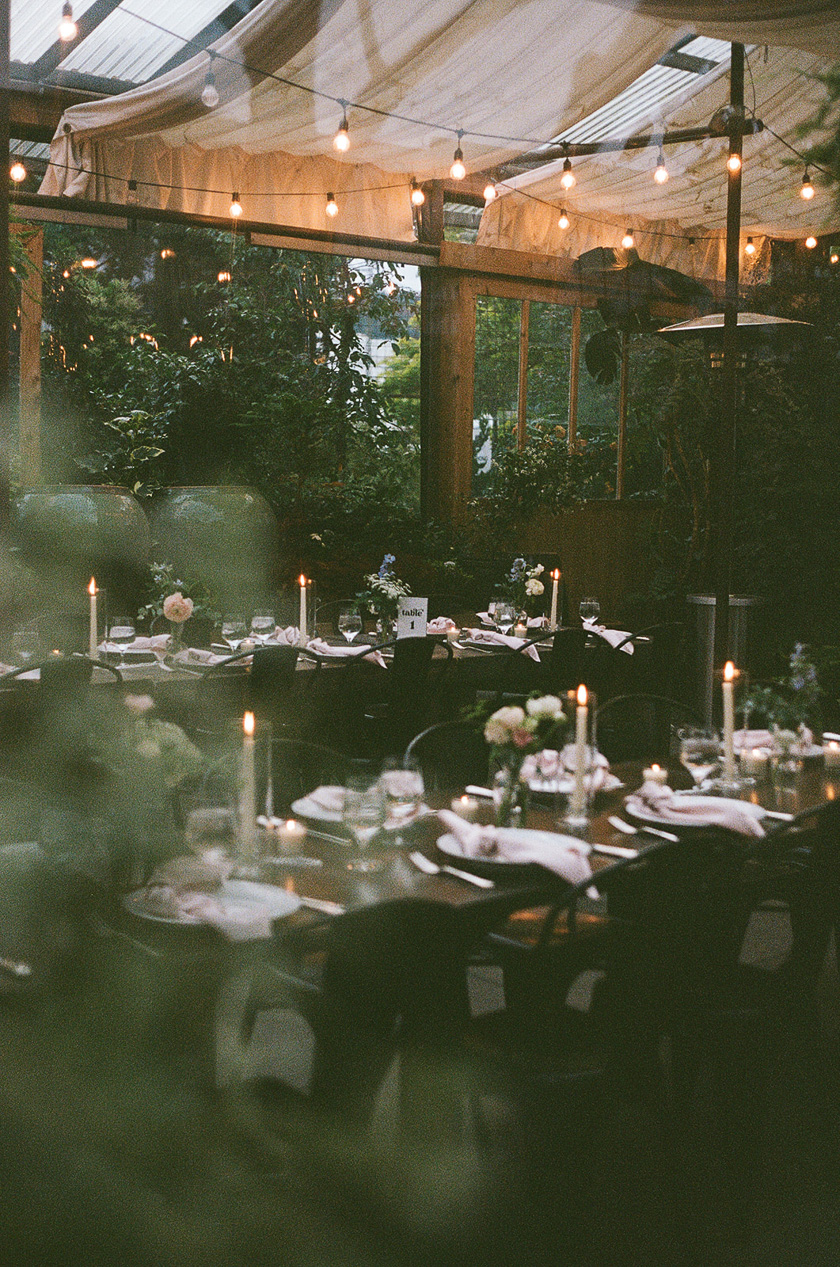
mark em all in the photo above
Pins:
pixel 177 608
pixel 383 592
pixel 176 598
pixel 791 701
pixel 523 585
pixel 514 733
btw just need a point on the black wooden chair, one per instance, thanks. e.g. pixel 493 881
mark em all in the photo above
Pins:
pixel 450 755
pixel 641 727
pixel 658 660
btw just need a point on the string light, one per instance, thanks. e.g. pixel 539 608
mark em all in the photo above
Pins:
pixel 749 249
pixel 67 28
pixel 567 180
pixel 210 93
pixel 733 163
pixel 17 171
pixel 341 140
pixel 458 171
pixel 235 206
pixel 167 253
pixel 661 173
pixel 88 262
pixel 332 205
pixel 417 195
pixel 807 190
pixel 810 242
pixel 563 222
pixel 628 241
pixel 834 258
pixel 489 192
pixel 222 276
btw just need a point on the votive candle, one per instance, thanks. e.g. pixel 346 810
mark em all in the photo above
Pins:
pixel 93 638
pixel 290 835
pixel 655 774
pixel 465 807
pixel 756 761
pixel 831 755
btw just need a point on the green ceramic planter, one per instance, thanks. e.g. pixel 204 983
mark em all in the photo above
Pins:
pixel 83 530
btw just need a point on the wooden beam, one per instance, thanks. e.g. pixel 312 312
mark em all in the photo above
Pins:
pixel 574 376
pixel 29 441
pixel 522 393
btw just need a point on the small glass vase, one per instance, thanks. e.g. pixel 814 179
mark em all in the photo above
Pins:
pixel 176 637
pixel 510 797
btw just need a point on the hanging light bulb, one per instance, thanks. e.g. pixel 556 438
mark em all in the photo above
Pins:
pixel 210 93
pixel 67 29
pixel 489 192
pixel 568 177
pixel 749 249
pixel 17 171
pixel 131 194
pixel 332 205
pixel 733 163
pixel 167 253
pixel 661 173
pixel 810 242
pixel 807 190
pixel 222 276
pixel 628 241
pixel 834 257
pixel 458 171
pixel 417 195
pixel 563 222
pixel 341 140
pixel 235 206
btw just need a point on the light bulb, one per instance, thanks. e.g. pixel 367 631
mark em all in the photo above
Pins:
pixel 67 29
pixel 210 93
pixel 734 163
pixel 235 206
pixel 222 276
pixel 807 190
pixel 749 249
pixel 17 171
pixel 661 173
pixel 131 195
pixel 628 241
pixel 458 171
pixel 834 258
pixel 810 242
pixel 332 205
pixel 568 177
pixel 563 222
pixel 489 192
pixel 417 195
pixel 167 253
pixel 88 262
pixel 341 140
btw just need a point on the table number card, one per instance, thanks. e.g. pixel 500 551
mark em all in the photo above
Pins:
pixel 412 618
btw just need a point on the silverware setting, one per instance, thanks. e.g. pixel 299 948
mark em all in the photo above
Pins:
pixel 620 825
pixel 424 864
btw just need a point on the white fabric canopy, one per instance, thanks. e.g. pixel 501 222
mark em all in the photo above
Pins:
pixel 510 73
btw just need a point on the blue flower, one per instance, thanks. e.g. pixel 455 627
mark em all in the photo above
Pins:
pixel 385 568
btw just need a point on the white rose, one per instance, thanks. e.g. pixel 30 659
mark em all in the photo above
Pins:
pixel 545 706
pixel 537 570
pixel 533 587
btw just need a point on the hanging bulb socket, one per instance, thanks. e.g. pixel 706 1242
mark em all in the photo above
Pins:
pixel 332 205
pixel 749 249
pixel 235 206
pixel 17 171
pixel 417 195
pixel 210 93
pixel 733 164
pixel 807 191
pixel 489 192
pixel 67 28
pixel 628 241
pixel 458 171
pixel 563 222
pixel 341 140
pixel 661 173
pixel 567 180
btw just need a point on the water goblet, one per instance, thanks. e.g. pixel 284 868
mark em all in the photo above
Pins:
pixel 504 616
pixel 590 609
pixel 403 789
pixel 233 630
pixel 121 633
pixel 364 816
pixel 699 753
pixel 349 623
pixel 262 625
pixel 26 644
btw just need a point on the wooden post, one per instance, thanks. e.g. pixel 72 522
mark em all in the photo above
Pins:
pixel 621 455
pixel 574 376
pixel 447 372
pixel 522 395
pixel 29 442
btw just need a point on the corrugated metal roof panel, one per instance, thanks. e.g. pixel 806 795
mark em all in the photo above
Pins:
pixel 132 45
pixel 34 26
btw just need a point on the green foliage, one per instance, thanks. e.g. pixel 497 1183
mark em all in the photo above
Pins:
pixel 127 452
pixel 163 581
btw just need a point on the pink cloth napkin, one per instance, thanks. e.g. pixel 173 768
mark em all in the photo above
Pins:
pixel 157 643
pixel 440 625
pixel 327 649
pixel 563 855
pixel 558 770
pixel 695 811
pixel 752 739
pixel 503 640
pixel 197 655
pixel 290 636
pixel 612 636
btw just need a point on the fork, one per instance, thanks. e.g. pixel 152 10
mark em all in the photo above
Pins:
pixel 422 863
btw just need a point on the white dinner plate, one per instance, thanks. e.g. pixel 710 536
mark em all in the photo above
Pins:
pixel 644 815
pixel 451 846
pixel 305 807
pixel 236 892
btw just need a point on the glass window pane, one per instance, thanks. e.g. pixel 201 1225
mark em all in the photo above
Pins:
pixel 549 335
pixel 496 395
pixel 598 401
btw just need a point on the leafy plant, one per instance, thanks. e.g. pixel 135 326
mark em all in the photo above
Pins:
pixel 128 452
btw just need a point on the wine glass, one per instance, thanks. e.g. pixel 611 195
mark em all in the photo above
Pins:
pixel 121 633
pixel 699 752
pixel 262 625
pixel 233 630
pixel 590 609
pixel 364 816
pixel 403 789
pixel 504 616
pixel 349 623
pixel 26 644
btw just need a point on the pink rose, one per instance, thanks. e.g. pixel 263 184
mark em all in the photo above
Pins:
pixel 521 738
pixel 177 608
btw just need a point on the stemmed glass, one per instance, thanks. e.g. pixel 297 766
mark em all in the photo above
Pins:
pixel 504 616
pixel 233 631
pixel 590 609
pixel 364 816
pixel 403 790
pixel 349 623
pixel 262 625
pixel 121 633
pixel 699 753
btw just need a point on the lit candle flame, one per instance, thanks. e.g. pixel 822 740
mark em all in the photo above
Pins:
pixel 581 694
pixel 729 671
pixel 656 768
pixel 555 575
pixel 291 824
pixel 248 724
pixel 302 581
pixel 92 587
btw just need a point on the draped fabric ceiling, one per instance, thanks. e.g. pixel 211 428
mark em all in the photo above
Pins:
pixel 511 73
